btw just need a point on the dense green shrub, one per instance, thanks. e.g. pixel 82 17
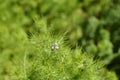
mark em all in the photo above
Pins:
pixel 44 57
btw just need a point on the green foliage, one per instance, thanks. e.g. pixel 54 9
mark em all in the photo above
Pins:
pixel 35 59
pixel 92 24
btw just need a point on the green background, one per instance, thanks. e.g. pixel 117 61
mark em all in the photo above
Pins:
pixel 92 24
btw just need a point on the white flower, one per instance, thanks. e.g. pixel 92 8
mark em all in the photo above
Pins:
pixel 55 46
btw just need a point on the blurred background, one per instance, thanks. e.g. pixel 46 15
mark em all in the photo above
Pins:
pixel 92 24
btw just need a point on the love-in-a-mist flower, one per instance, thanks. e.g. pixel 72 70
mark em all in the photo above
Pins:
pixel 55 46
pixel 85 63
